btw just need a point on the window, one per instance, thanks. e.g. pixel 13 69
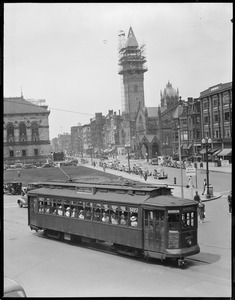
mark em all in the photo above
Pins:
pixel 226 98
pixel 188 220
pixel 36 152
pixel 11 153
pixel 216 133
pixel 184 135
pixel 135 88
pixel 35 132
pixel 173 221
pixel 205 104
pixel 216 118
pixel 215 100
pixel 10 129
pixel 23 152
pixel 226 116
pixel 227 132
pixel 206 119
pixel 22 129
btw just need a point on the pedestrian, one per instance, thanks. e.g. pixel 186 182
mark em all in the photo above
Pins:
pixel 201 211
pixel 230 201
pixel 104 167
pixel 204 186
pixel 145 176
pixel 189 185
pixel 197 197
pixel 18 173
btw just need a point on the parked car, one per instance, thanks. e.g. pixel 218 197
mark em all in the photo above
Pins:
pixel 160 174
pixel 12 188
pixel 28 166
pixel 23 201
pixel 154 161
pixel 46 166
pixel 13 289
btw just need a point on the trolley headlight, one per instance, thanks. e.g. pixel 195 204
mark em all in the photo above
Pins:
pixel 189 242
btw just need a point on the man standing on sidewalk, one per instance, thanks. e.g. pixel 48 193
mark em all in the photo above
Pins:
pixel 204 186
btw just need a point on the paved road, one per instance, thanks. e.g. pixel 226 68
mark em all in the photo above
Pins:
pixel 49 268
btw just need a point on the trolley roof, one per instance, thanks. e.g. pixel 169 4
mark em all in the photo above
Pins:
pixel 113 197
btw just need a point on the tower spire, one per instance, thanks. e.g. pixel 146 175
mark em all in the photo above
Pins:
pixel 131 39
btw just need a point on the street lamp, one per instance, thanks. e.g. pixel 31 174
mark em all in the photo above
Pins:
pixel 128 156
pixel 207 142
pixel 181 173
pixel 91 148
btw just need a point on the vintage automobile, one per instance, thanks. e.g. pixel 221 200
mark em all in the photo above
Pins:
pixel 12 188
pixel 23 201
pixel 160 174
pixel 13 289
pixel 154 161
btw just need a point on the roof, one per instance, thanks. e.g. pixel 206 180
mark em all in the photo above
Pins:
pixel 18 105
pixel 112 197
pixel 152 112
pixel 131 39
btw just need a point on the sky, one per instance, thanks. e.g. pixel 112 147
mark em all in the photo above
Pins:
pixel 67 53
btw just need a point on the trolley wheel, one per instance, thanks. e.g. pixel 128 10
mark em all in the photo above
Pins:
pixel 181 262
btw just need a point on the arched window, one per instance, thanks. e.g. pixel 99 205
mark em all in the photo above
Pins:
pixel 22 132
pixel 10 132
pixel 10 129
pixel 35 132
pixel 22 129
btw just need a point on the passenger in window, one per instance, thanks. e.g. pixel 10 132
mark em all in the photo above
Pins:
pixel 60 211
pixel 73 215
pixel 88 214
pixel 81 214
pixel 97 215
pixel 47 210
pixel 123 221
pixel 105 218
pixel 67 213
pixel 40 207
pixel 114 219
pixel 134 221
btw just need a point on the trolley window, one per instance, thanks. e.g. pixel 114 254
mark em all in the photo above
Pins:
pixel 173 220
pixel 188 220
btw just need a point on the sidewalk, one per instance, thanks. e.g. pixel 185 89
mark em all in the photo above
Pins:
pixel 188 193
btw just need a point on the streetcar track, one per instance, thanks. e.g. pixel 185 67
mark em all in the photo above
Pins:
pixel 206 263
pixel 101 248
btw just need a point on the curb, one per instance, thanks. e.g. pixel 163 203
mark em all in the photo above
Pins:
pixel 204 199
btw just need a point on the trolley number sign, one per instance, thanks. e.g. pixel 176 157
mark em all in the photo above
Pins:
pixel 190 171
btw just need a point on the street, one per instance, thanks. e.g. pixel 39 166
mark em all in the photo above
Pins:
pixel 51 268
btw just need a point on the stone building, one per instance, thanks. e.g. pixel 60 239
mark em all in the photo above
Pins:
pixel 25 131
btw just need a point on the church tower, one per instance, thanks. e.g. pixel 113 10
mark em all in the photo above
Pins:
pixel 132 68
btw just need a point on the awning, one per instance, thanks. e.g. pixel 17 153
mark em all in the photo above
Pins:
pixel 203 151
pixel 189 146
pixel 217 151
pixel 211 151
pixel 225 152
pixel 184 146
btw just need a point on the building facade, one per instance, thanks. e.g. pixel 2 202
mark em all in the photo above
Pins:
pixel 25 132
pixel 216 115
